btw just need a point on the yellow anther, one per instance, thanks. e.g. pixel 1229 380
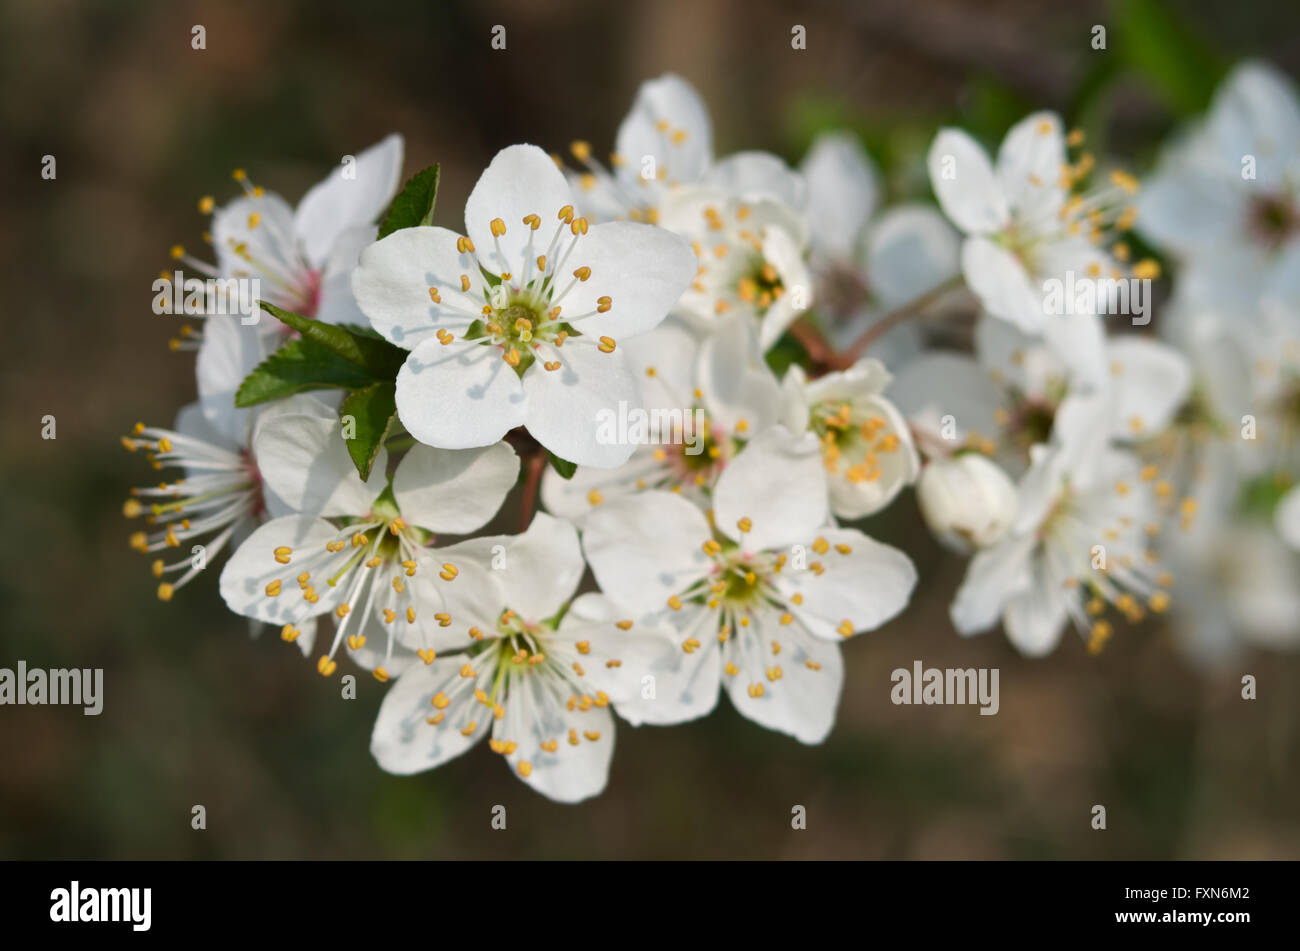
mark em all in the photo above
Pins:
pixel 1124 180
pixel 381 675
pixel 1146 269
pixel 581 150
pixel 464 245
pixel 282 554
pixel 273 589
pixel 449 571
pixel 427 655
pixel 606 345
pixel 745 524
pixel 566 214
pixel 845 629
pixel 675 603
pixel 342 611
pixel 326 666
pixel 582 273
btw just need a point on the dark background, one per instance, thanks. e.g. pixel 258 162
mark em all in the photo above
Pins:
pixel 196 713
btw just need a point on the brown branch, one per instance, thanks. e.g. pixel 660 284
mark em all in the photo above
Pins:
pixel 536 466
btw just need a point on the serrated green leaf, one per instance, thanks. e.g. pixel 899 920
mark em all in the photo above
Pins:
pixel 413 205
pixel 299 366
pixel 373 410
pixel 564 467
pixel 381 358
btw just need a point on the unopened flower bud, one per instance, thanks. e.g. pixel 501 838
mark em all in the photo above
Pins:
pixel 967 501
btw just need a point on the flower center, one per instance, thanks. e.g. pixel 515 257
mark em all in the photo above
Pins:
pixel 853 441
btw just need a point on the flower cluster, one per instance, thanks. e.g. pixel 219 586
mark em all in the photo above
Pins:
pixel 711 373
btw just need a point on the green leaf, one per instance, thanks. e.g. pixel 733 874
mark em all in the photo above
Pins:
pixel 381 358
pixel 564 467
pixel 373 410
pixel 1181 66
pixel 298 366
pixel 413 205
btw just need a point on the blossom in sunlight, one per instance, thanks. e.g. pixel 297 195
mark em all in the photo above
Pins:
pixel 518 323
pixel 759 598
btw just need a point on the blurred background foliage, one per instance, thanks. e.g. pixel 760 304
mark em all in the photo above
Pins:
pixel 142 125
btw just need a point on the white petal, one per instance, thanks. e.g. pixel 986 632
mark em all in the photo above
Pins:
pixel 535 713
pixel 683 149
pixel 542 568
pixel 735 380
pixel 253 566
pixel 755 174
pixel 843 187
pixel 570 409
pixel 993 577
pixel 939 384
pixel 460 396
pixel 304 460
pixel 353 194
pixel 1029 167
pixel 454 491
pixel 392 282
pixel 661 362
pixel 1149 382
pixel 403 741
pixel 1255 112
pixel 778 482
pixel 1003 286
pixel 641 268
pixel 796 699
pixel 866 587
pixel 229 352
pixel 964 183
pixel 685 685
pixel 645 548
pixel 576 497
pixel 1035 619
pixel 261 228
pixel 521 180
pixel 336 303
pixel 1287 518
pixel 613 660
pixel 1187 210
pixel 910 250
pixel 783 252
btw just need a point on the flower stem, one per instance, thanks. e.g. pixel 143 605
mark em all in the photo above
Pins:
pixel 536 466
pixel 891 320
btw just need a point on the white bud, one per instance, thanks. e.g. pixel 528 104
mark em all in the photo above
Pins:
pixel 967 501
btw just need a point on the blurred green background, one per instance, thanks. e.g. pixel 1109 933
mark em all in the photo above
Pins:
pixel 196 713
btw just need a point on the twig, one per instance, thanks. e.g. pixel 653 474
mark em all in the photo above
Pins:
pixel 850 356
pixel 536 466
